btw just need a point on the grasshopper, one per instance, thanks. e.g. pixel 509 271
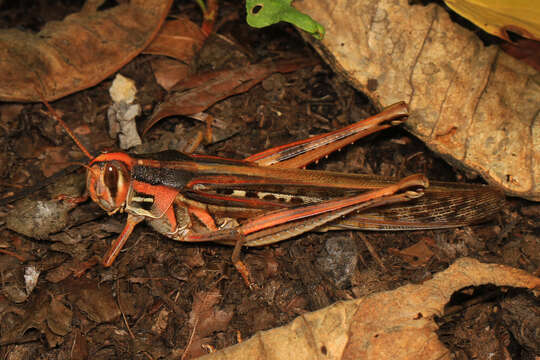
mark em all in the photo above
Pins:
pixel 269 196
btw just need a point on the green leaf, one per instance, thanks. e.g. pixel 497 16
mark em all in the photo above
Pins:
pixel 261 13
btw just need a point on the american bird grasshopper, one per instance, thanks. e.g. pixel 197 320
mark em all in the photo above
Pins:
pixel 269 197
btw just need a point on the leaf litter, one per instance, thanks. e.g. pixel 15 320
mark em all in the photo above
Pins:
pixel 159 298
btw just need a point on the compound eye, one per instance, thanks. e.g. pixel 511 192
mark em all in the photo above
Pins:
pixel 110 178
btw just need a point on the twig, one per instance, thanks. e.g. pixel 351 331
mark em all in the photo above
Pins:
pixel 15 255
pixel 122 311
pixel 373 252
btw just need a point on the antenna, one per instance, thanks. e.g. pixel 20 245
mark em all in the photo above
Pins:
pixel 67 129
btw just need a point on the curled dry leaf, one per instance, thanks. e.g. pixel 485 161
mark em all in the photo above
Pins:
pixel 474 105
pixel 396 324
pixel 76 53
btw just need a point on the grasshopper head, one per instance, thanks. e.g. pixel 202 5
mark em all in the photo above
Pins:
pixel 108 182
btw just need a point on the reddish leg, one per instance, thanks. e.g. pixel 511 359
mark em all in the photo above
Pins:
pixel 298 154
pixel 118 244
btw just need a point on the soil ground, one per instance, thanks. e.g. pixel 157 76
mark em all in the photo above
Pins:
pixel 155 301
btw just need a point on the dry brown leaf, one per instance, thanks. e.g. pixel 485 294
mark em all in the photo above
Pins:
pixel 169 72
pixel 180 39
pixel 396 324
pixel 96 302
pixel 76 53
pixel 199 92
pixel 59 317
pixel 416 255
pixel 205 319
pixel 59 273
pixel 475 105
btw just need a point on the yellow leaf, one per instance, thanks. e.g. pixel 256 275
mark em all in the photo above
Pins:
pixel 499 16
